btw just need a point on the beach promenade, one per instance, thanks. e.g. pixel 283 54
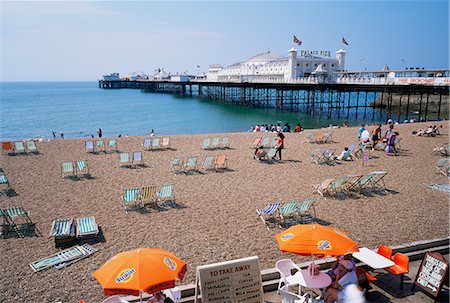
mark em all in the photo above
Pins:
pixel 215 218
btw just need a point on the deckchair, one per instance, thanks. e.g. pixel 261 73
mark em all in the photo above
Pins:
pixel 324 187
pixel 85 249
pixel 156 143
pixel 177 165
pixel 289 210
pixel 339 185
pixel 225 143
pixel 267 213
pixel 353 182
pixel 124 160
pixel 7 147
pixel 147 145
pixel 4 183
pixel 377 181
pixel 137 159
pixel 165 143
pixel 130 200
pixel 358 150
pixel 256 142
pixel 89 146
pixel 16 220
pixel 112 145
pixel 443 166
pixel 67 170
pixel 318 137
pixel 148 195
pixel 31 147
pixel 265 142
pixel 327 137
pixel 165 194
pixel 321 156
pixel 271 154
pixel 206 144
pixel 274 142
pixel 310 138
pixel 19 147
pixel 397 143
pixel 305 205
pixel 191 164
pixel 221 162
pixel 64 232
pixel 364 182
pixel 215 142
pixel 67 255
pixel 208 163
pixel 100 145
pixel 82 168
pixel 87 228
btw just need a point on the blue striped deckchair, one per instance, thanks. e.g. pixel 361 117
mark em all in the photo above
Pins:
pixel 208 163
pixel 267 213
pixel 147 145
pixel 156 143
pixel 67 170
pixel 215 142
pixel 100 145
pixel 206 144
pixel 177 165
pixel 86 227
pixel 339 185
pixel 82 168
pixel 225 143
pixel 63 228
pixel 137 159
pixel 19 148
pixel 288 211
pixel 112 145
pixel 191 164
pixel 60 257
pixel 89 146
pixel 165 194
pixel 130 199
pixel 165 142
pixel 31 147
pixel 124 160
pixel 4 182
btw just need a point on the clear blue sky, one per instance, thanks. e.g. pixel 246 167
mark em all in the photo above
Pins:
pixel 60 41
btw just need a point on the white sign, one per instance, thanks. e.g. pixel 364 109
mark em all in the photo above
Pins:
pixel 231 281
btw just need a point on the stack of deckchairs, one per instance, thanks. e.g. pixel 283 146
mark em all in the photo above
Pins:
pixel 216 143
pixel 140 198
pixel 443 166
pixel 15 221
pixel 63 258
pixel 75 169
pixel 156 143
pixel 19 147
pixel 319 137
pixel 67 231
pixel 323 156
pixel 127 161
pixel 373 181
pixel 292 212
pixel 97 146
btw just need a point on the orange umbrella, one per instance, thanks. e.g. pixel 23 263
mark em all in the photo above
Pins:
pixel 315 239
pixel 144 269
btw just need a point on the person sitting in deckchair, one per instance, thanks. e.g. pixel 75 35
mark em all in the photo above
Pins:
pixel 346 155
pixel 423 131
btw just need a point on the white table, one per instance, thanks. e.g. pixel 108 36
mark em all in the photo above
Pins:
pixel 373 259
pixel 303 278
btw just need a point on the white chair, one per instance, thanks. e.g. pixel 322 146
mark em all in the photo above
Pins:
pixel 173 293
pixel 115 299
pixel 289 297
pixel 285 267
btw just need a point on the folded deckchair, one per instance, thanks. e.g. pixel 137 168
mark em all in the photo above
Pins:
pixel 442 187
pixel 165 194
pixel 191 164
pixel 67 170
pixel 64 232
pixel 289 210
pixel 148 195
pixel 130 200
pixel 86 251
pixel 31 147
pixel 177 165
pixel 225 142
pixel 16 220
pixel 19 148
pixel 156 143
pixel 86 228
pixel 100 145
pixel 82 168
pixel 443 166
pixel 206 144
pixel 221 162
pixel 7 147
pixel 137 159
pixel 66 255
pixel 124 160
pixel 147 144
pixel 208 163
pixel 165 143
pixel 267 213
pixel 89 146
pixel 112 145
pixel 442 149
pixel 256 142
pixel 215 142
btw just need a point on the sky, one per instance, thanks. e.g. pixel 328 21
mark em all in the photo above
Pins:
pixel 83 40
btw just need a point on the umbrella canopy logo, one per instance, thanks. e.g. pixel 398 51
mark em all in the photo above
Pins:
pixel 170 263
pixel 287 236
pixel 324 245
pixel 125 275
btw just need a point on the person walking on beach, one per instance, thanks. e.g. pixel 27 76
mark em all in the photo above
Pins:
pixel 62 135
pixel 280 144
pixel 54 135
pixel 100 133
pixel 360 131
pixel 376 132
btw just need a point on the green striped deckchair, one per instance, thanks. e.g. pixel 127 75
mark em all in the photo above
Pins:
pixel 191 164
pixel 165 193
pixel 206 144
pixel 443 166
pixel 63 256
pixel 225 143
pixel 339 185
pixel 31 147
pixel 100 145
pixel 208 163
pixel 364 182
pixel 19 148
pixel 377 181
pixel 156 143
pixel 177 165
pixel 17 219
pixel 86 227
pixel 310 138
pixel 124 160
pixel 86 251
pixel 288 210
pixel 112 145
pixel 130 199
pixel 215 143
pixel 67 169
pixel 82 168
pixel 4 182
pixel 271 153
pixel 305 205
pixel 63 228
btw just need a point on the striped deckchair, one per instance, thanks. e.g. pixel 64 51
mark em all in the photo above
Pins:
pixel 268 213
pixel 339 185
pixel 86 251
pixel 124 160
pixel 310 138
pixel 215 142
pixel 208 163
pixel 206 144
pixel 148 195
pixel 86 227
pixel 147 145
pixel 89 144
pixel 4 182
pixel 221 162
pixel 323 156
pixel 66 255
pixel 67 170
pixel 305 206
pixel 112 145
pixel 63 228
pixel 165 194
pixel 325 138
pixel 7 147
pixel 256 142
pixel 377 181
pixel 177 165
pixel 156 143
pixel 100 145
pixel 31 147
pixel 16 220
pixel 130 200
pixel 82 169
pixel 324 187
pixel 271 153
pixel 225 142
pixel 364 182
pixel 137 159
pixel 19 147
pixel 165 143
pixel 289 210
pixel 191 164
pixel 352 182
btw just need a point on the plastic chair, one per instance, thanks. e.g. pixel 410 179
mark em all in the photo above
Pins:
pixel 173 293
pixel 385 251
pixel 401 267
pixel 285 267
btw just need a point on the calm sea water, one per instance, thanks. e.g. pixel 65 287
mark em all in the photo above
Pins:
pixel 78 109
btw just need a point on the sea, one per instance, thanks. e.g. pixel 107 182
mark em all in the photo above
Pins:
pixel 79 109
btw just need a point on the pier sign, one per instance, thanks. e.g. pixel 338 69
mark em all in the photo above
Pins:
pixel 304 53
pixel 231 281
pixel 431 274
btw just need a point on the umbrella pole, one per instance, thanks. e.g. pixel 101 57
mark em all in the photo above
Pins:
pixel 140 296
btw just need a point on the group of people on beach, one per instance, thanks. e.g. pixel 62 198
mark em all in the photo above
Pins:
pixel 272 128
pixel 388 138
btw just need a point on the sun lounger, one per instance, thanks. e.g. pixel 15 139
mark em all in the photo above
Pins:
pixel 82 169
pixel 147 145
pixel 208 163
pixel 124 160
pixel 215 142
pixel 7 147
pixel 221 163
pixel 67 170
pixel 443 166
pixel 137 159
pixel 225 142
pixel 256 143
pixel 64 232
pixel 15 220
pixel 130 200
pixel 177 165
pixel 148 195
pixel 165 194
pixel 19 147
pixel 87 228
pixel 165 143
pixel 89 144
pixel 268 213
pixel 191 164
pixel 156 143
pixel 31 147
pixel 67 255
pixel 112 145
pixel 206 144
pixel 86 251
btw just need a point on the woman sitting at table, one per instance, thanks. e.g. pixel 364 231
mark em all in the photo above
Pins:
pixel 346 275
pixel 337 266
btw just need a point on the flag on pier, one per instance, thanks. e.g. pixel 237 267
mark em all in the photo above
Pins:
pixel 344 41
pixel 297 41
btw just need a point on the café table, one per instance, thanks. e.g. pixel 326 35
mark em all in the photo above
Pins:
pixel 304 279
pixel 373 259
